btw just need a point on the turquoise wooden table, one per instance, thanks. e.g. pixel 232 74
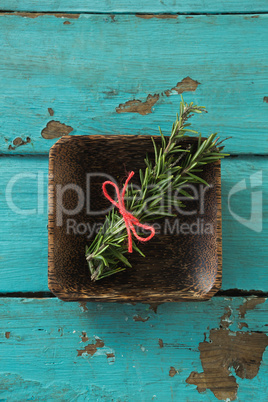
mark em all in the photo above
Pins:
pixel 119 68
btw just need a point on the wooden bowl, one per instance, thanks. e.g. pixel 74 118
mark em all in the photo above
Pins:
pixel 182 263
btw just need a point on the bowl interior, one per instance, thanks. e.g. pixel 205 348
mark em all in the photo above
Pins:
pixel 183 261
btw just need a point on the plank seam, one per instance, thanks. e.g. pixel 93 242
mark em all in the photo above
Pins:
pixel 45 155
pixel 15 12
pixel 221 293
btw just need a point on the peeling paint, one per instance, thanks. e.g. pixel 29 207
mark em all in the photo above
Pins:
pixel 241 350
pixel 36 15
pixel 241 325
pixel 7 335
pixel 92 348
pixel 83 306
pixel 84 337
pixel 226 349
pixel 55 129
pixel 97 349
pixel 225 321
pixel 250 304
pixel 18 141
pixel 159 16
pixel 139 318
pixel 137 106
pixel 172 371
pixel 110 357
pixel 185 85
pixel 154 307
pixel 265 99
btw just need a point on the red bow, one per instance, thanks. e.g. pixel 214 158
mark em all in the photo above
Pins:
pixel 129 219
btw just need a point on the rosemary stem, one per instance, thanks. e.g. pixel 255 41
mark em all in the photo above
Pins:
pixel 158 182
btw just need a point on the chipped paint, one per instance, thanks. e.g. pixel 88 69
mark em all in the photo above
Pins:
pixel 83 306
pixel 36 15
pixel 154 307
pixel 66 23
pixel 160 343
pixel 7 335
pixel 185 85
pixel 50 110
pixel 225 321
pixel 265 99
pixel 159 16
pixel 239 350
pixel 137 106
pixel 84 337
pixel 172 371
pixel 91 349
pixel 250 304
pixel 110 357
pixel 139 318
pixel 96 349
pixel 55 129
pixel 241 325
pixel 18 141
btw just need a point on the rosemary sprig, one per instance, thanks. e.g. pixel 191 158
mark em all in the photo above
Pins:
pixel 173 167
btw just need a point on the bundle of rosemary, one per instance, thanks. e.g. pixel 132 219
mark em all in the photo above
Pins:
pixel 173 167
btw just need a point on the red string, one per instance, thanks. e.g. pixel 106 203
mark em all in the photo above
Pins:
pixel 130 220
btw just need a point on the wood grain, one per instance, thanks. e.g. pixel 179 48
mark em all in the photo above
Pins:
pixel 90 70
pixel 23 257
pixel 113 74
pixel 130 6
pixel 52 350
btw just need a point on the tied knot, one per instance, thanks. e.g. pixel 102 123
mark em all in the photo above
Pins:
pixel 129 219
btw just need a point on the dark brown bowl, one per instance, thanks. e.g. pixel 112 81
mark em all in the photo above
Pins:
pixel 179 266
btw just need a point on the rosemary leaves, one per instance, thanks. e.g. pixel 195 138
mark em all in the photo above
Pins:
pixel 174 165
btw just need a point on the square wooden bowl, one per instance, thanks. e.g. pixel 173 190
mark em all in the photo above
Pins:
pixel 180 265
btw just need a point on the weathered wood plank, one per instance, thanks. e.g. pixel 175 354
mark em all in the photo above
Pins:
pixel 104 352
pixel 23 250
pixel 245 251
pixel 130 6
pixel 103 74
pixel 23 257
